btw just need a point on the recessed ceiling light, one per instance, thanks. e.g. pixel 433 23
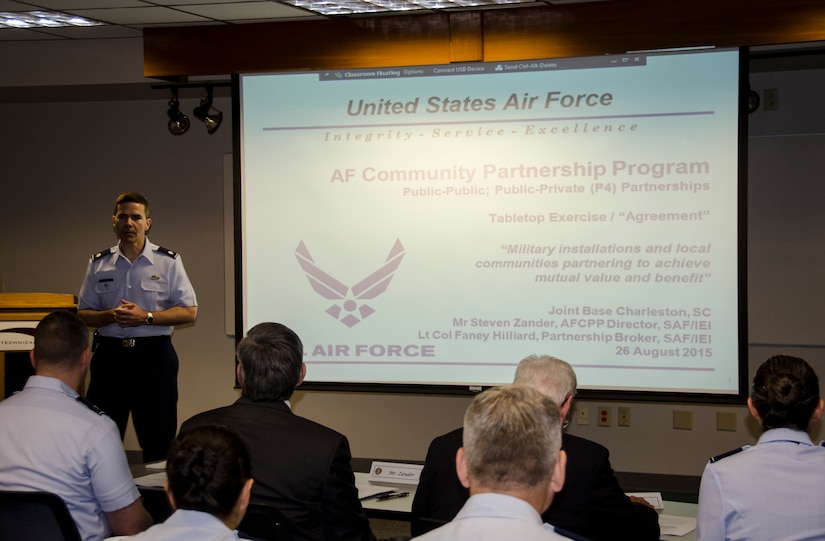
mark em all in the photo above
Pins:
pixel 346 7
pixel 42 19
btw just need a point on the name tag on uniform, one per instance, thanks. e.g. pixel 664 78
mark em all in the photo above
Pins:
pixel 395 473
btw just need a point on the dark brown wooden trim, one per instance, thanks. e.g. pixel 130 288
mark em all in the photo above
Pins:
pixel 513 33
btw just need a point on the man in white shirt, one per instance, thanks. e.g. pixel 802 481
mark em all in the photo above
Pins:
pixel 513 465
pixel 54 441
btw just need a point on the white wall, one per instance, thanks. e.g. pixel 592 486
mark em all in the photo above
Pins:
pixel 62 163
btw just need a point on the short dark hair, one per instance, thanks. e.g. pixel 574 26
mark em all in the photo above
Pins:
pixel 785 393
pixel 60 340
pixel 207 468
pixel 271 356
pixel 131 197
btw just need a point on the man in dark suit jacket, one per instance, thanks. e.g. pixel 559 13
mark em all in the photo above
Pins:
pixel 300 467
pixel 591 503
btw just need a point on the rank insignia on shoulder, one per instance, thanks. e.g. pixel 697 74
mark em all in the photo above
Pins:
pixel 90 406
pixel 732 452
pixel 167 251
pixel 101 253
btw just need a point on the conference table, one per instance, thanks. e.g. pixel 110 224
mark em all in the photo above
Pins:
pixel 150 480
pixel 395 508
pixel 676 512
pixel 672 517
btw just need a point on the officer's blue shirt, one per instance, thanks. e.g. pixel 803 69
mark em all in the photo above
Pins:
pixel 490 516
pixel 187 525
pixel 155 281
pixel 53 442
pixel 774 490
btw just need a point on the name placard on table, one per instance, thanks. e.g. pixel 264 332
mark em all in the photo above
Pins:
pixel 395 473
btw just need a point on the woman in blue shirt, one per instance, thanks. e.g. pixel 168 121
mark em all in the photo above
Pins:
pixel 208 484
pixel 773 490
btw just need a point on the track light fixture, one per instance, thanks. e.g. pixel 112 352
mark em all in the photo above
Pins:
pixel 205 113
pixel 178 122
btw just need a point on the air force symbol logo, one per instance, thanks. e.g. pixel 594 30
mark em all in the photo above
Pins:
pixel 349 308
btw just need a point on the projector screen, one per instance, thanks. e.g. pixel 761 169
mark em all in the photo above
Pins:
pixel 424 228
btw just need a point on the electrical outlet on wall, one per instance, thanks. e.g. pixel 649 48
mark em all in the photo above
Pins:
pixel 582 415
pixel 624 416
pixel 604 416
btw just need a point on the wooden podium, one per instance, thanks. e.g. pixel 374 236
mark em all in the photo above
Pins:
pixel 19 315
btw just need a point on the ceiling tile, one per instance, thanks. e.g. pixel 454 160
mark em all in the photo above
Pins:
pixel 95 32
pixel 9 5
pixel 21 34
pixel 137 16
pixel 245 10
pixel 63 5
pixel 174 3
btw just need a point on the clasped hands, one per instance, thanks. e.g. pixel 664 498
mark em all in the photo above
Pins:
pixel 129 314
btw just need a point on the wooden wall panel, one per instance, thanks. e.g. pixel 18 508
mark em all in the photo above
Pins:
pixel 297 45
pixel 621 26
pixel 513 33
pixel 465 37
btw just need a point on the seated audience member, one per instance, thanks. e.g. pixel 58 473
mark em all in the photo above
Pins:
pixel 512 464
pixel 591 504
pixel 773 490
pixel 300 467
pixel 54 441
pixel 208 472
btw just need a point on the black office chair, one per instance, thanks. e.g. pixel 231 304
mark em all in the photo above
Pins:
pixel 35 516
pixel 422 525
pixel 263 522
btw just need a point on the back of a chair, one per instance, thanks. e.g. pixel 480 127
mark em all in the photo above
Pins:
pixel 35 516
pixel 422 525
pixel 263 522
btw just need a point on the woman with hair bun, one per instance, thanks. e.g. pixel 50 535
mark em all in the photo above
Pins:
pixel 772 490
pixel 208 484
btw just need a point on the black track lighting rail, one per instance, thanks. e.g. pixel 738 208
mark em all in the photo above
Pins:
pixel 172 86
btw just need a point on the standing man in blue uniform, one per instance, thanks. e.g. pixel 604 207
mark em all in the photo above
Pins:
pixel 134 294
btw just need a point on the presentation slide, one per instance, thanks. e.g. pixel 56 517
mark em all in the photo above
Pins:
pixel 433 225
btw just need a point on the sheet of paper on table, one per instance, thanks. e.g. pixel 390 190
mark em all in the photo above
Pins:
pixel 674 525
pixel 156 479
